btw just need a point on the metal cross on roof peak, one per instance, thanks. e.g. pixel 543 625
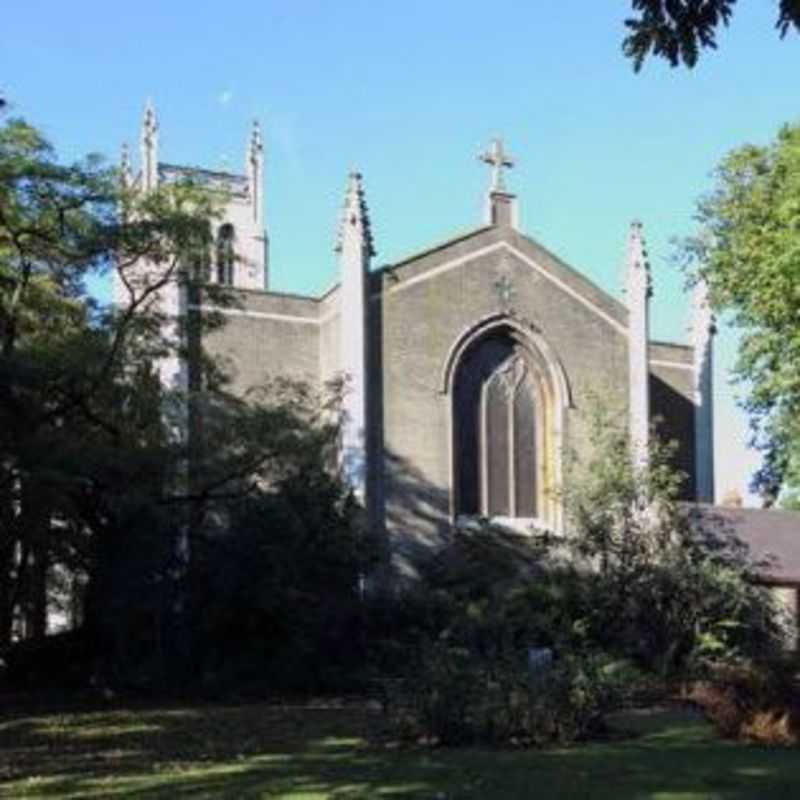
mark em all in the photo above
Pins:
pixel 499 159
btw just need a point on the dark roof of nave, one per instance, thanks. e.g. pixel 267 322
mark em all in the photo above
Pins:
pixel 772 537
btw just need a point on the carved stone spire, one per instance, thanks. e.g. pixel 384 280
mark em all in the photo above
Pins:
pixel 638 280
pixel 354 225
pixel 702 330
pixel 125 172
pixel 638 290
pixel 149 147
pixel 255 167
pixel 355 248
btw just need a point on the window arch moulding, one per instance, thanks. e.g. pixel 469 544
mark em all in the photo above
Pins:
pixel 552 397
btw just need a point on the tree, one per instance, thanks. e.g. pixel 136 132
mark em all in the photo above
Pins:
pixel 677 30
pixel 109 476
pixel 669 588
pixel 78 408
pixel 747 249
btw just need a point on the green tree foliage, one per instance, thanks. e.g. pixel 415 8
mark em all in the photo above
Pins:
pixel 664 587
pixel 80 417
pixel 747 249
pixel 678 30
pixel 209 528
pixel 263 591
pixel 636 593
pixel 462 653
pixel 277 602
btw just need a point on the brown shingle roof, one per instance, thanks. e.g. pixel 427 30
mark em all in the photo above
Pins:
pixel 771 535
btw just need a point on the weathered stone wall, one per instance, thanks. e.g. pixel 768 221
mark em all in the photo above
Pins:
pixel 266 335
pixel 418 310
pixel 330 356
pixel 672 405
pixel 421 308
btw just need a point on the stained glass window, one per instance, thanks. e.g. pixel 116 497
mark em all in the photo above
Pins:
pixel 495 433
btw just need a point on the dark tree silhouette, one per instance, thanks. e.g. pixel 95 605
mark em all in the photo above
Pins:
pixel 678 30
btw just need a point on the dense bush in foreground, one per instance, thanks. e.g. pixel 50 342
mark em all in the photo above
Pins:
pixel 635 598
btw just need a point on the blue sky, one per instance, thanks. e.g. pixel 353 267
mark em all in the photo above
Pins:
pixel 409 93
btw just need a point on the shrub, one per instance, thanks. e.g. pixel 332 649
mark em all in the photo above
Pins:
pixel 277 601
pixel 464 633
pixel 749 701
pixel 455 697
pixel 664 587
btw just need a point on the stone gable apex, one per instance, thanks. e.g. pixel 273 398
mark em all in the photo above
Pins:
pixel 467 247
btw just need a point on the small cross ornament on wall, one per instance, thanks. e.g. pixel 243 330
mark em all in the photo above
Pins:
pixel 504 286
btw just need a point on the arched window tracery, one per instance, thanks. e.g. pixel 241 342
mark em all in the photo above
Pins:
pixel 508 451
pixel 505 429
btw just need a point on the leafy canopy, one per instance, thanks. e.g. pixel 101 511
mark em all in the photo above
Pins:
pixel 677 30
pixel 671 589
pixel 80 407
pixel 748 251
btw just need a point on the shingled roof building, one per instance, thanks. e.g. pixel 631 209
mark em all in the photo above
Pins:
pixel 469 364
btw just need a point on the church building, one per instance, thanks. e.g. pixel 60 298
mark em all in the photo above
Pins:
pixel 470 366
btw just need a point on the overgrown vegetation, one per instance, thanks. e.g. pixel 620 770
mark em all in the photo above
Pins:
pixel 211 547
pixel 198 538
pixel 672 594
pixel 747 250
pixel 533 639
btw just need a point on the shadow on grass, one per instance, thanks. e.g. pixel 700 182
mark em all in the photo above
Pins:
pixel 319 751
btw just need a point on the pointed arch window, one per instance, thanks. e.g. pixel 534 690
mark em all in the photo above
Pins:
pixel 500 418
pixel 508 451
pixel 197 261
pixel 225 256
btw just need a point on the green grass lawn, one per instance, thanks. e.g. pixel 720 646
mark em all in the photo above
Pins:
pixel 323 751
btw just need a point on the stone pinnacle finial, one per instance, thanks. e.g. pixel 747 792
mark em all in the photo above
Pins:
pixel 638 267
pixel 254 163
pixel 498 159
pixel 149 147
pixel 355 215
pixel 703 321
pixel 150 121
pixel 256 142
pixel 125 166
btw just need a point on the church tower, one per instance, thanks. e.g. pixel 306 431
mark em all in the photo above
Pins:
pixel 240 240
pixel 172 297
pixel 355 249
pixel 638 290
pixel 238 256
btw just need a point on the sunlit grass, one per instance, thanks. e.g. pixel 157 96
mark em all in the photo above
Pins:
pixel 329 752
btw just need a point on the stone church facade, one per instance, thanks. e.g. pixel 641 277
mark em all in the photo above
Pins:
pixel 469 366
